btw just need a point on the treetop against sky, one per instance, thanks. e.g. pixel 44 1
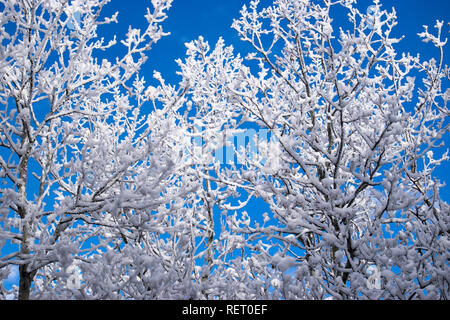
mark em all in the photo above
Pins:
pixel 288 149
pixel 188 20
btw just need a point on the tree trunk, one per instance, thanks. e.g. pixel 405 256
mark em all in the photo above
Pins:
pixel 26 278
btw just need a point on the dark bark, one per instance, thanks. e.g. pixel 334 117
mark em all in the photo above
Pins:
pixel 26 279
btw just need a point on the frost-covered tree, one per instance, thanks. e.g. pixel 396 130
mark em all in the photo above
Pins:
pixel 81 158
pixel 347 164
pixel 113 189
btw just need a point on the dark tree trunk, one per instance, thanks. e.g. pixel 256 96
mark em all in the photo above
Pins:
pixel 26 278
